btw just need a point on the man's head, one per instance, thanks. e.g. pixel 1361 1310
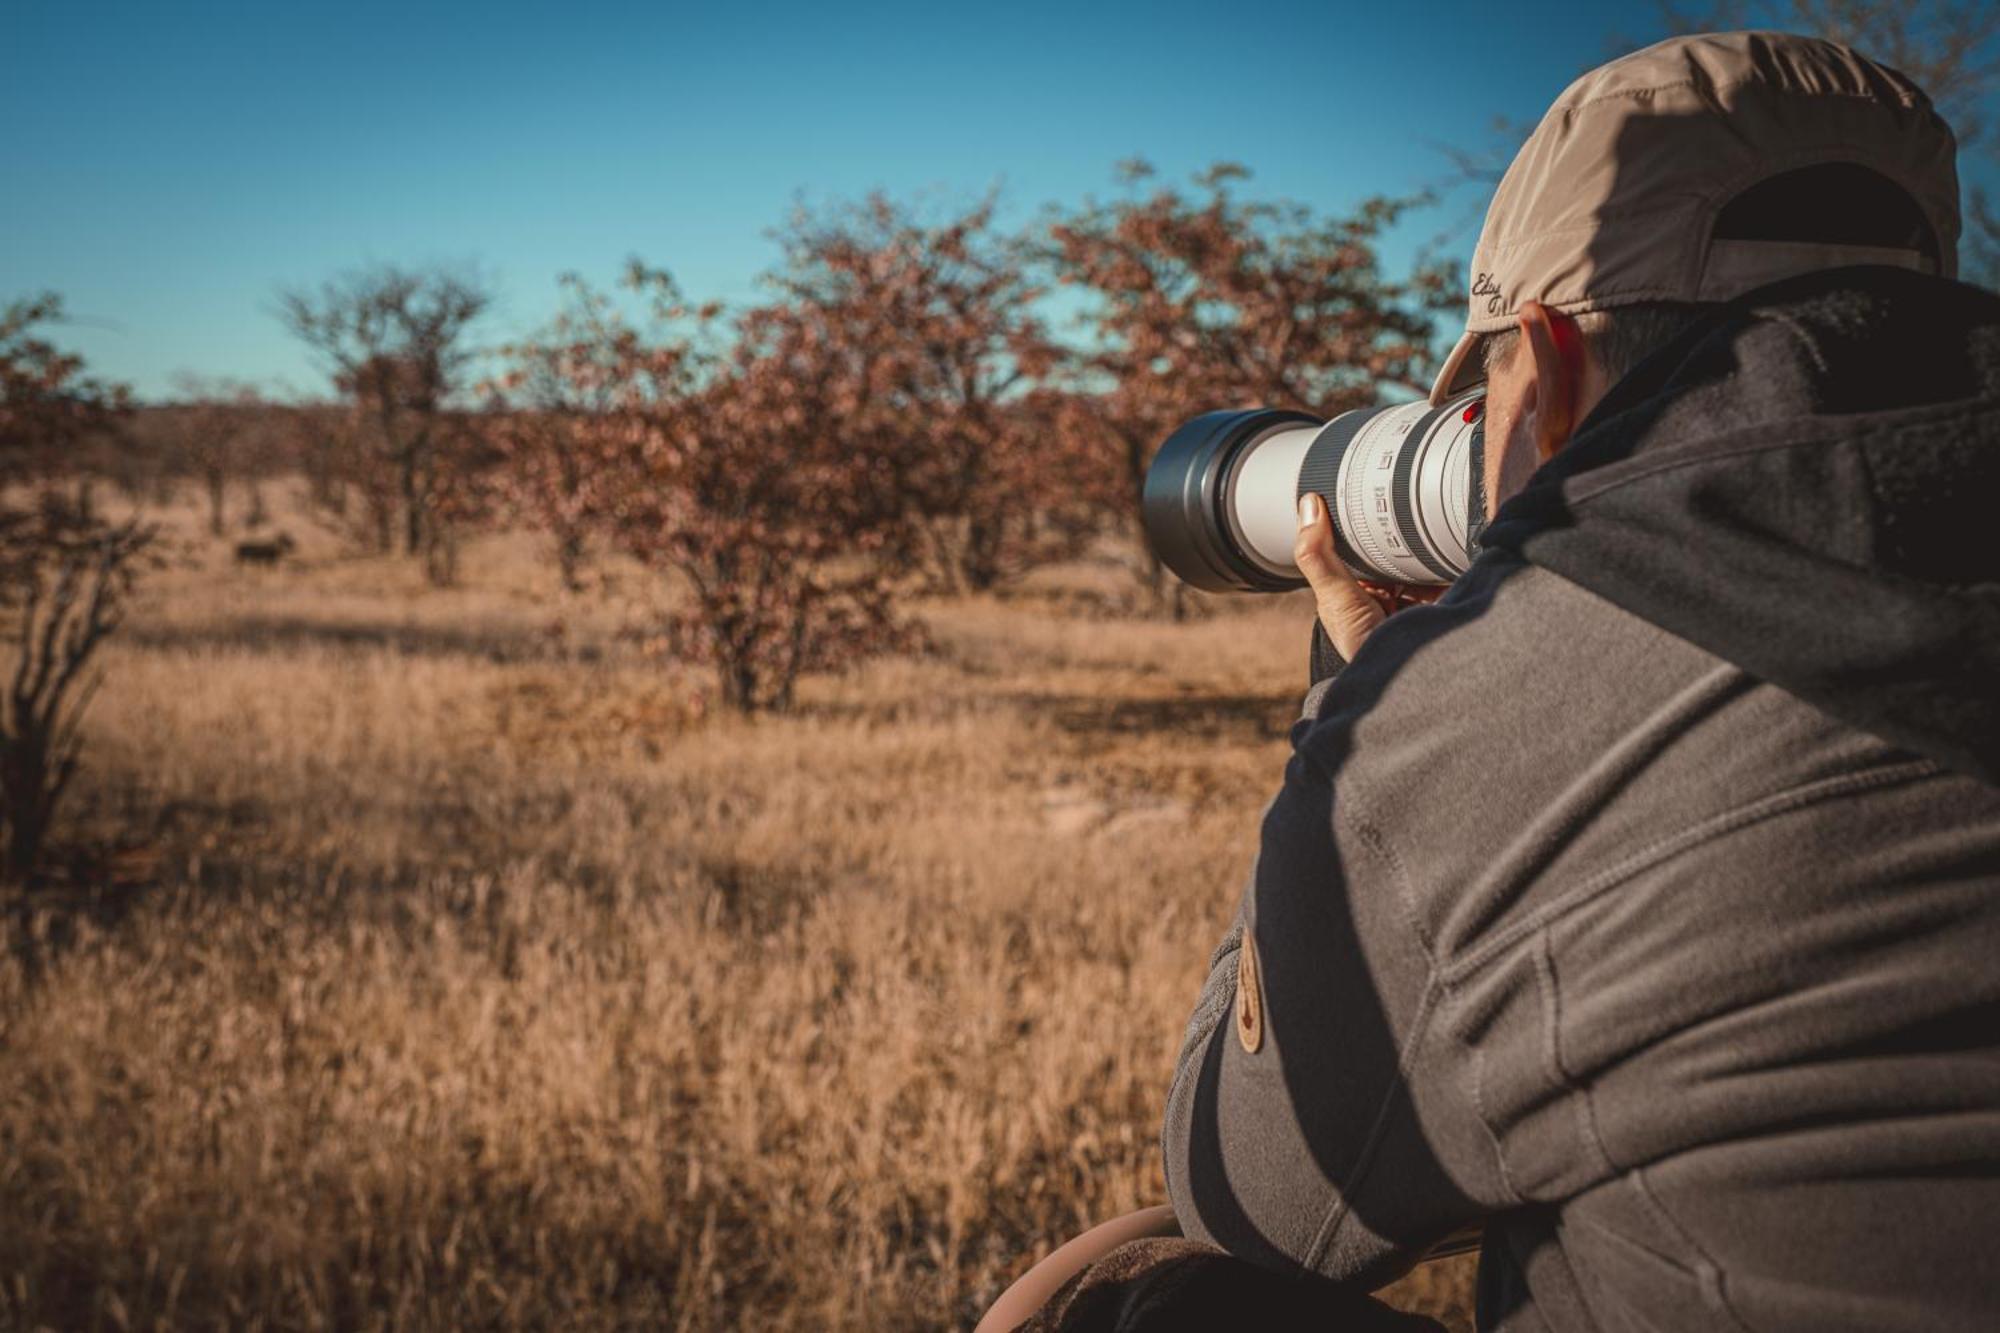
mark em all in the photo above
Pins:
pixel 1667 182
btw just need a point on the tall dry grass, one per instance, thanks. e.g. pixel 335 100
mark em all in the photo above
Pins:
pixel 474 977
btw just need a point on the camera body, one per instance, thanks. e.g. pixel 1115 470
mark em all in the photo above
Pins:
pixel 1402 483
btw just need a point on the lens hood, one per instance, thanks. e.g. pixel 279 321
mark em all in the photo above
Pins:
pixel 1182 502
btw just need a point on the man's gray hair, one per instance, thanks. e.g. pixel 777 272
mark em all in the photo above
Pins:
pixel 1617 339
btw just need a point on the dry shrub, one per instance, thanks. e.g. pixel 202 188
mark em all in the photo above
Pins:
pixel 494 986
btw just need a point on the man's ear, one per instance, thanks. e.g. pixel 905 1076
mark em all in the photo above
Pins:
pixel 1554 346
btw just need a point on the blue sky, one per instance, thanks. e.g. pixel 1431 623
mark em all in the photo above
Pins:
pixel 172 164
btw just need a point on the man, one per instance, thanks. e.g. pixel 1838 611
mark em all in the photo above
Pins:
pixel 1640 900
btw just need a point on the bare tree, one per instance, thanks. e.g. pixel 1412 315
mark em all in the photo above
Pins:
pixel 65 572
pixel 395 342
pixel 344 485
pixel 69 576
pixel 222 436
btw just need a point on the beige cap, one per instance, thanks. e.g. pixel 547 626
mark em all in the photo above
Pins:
pixel 1613 197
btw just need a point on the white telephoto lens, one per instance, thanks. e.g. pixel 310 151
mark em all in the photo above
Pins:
pixel 1262 506
pixel 1397 480
pixel 1220 501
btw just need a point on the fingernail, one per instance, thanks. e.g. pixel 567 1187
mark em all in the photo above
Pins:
pixel 1308 509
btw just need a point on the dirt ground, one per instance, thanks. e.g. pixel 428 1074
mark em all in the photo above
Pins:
pixel 444 960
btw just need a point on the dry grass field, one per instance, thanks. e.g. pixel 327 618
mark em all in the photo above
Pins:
pixel 449 967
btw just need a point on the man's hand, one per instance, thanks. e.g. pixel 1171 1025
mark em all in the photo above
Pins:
pixel 1347 611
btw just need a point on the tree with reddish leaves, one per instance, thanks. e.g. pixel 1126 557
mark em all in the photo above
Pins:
pixel 546 425
pixel 48 406
pixel 66 572
pixel 950 316
pixel 760 476
pixel 1200 300
pixel 396 343
pixel 776 499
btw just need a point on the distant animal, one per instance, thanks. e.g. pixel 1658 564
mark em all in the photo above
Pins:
pixel 265 553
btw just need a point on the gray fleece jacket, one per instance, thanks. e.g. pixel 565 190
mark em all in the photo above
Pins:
pixel 1641 899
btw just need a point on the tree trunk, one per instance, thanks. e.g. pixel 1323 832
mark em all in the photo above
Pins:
pixel 24 806
pixel 217 486
pixel 739 685
pixel 1152 574
pixel 569 559
pixel 983 540
pixel 937 554
pixel 441 556
pixel 413 508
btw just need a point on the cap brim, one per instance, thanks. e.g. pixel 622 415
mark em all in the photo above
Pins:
pixel 1462 370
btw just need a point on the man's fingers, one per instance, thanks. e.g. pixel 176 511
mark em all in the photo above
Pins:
pixel 1349 614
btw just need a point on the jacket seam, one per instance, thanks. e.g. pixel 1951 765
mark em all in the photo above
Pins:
pixel 1343 1205
pixel 1539 842
pixel 1707 1271
pixel 1371 835
pixel 1586 1111
pixel 1486 1124
pixel 1671 846
pixel 1583 1292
